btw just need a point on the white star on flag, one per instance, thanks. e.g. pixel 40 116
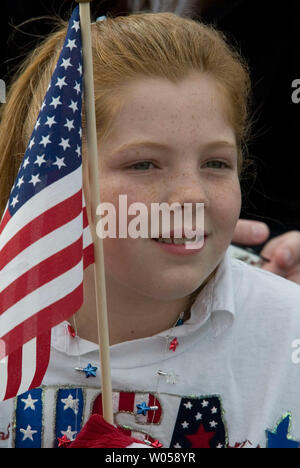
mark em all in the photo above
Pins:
pixel 77 87
pixel 75 25
pixel 26 162
pixel 14 201
pixel 71 44
pixel 61 82
pixel 78 151
pixel 50 121
pixel 59 162
pixel 64 142
pixel 45 140
pixel 66 63
pixel 55 102
pixel 73 105
pixel 34 179
pixel 31 143
pixel 20 181
pixel 28 433
pixel 29 402
pixel 69 124
pixel 40 160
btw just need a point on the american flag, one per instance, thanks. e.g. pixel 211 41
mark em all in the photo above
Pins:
pixel 45 242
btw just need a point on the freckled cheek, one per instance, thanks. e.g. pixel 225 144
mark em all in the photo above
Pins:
pixel 111 189
pixel 224 208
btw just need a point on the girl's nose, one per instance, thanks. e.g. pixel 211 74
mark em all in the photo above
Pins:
pixel 186 187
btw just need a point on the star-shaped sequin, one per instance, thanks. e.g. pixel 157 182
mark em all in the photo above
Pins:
pixel 142 408
pixel 156 444
pixel 173 344
pixel 90 371
pixel 63 441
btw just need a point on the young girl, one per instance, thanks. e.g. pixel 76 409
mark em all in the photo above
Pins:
pixel 204 349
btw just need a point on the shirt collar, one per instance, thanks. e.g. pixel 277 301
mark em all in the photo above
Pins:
pixel 215 303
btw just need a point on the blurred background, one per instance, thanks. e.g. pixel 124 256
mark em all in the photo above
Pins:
pixel 268 36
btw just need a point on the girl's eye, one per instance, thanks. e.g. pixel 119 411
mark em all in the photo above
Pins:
pixel 143 165
pixel 215 164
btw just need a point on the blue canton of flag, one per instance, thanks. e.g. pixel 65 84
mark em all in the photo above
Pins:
pixel 45 242
pixel 199 424
pixel 56 137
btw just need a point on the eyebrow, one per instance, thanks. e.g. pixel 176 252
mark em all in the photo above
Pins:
pixel 166 148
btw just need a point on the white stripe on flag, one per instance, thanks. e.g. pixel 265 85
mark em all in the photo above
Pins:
pixel 3 380
pixel 42 297
pixel 44 200
pixel 42 249
pixel 28 365
pixel 87 237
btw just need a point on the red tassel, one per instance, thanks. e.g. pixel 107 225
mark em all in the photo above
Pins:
pixel 97 433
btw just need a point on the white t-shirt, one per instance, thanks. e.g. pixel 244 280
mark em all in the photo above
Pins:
pixel 234 377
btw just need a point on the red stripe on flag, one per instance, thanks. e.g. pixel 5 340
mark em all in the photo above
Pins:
pixel 42 225
pixel 85 217
pixel 14 373
pixel 88 256
pixel 43 347
pixel 6 217
pixel 42 321
pixel 40 274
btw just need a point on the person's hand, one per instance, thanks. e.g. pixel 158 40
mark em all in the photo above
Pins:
pixel 283 251
pixel 250 232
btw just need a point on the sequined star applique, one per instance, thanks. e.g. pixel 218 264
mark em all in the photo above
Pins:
pixel 71 403
pixel 29 402
pixel 28 433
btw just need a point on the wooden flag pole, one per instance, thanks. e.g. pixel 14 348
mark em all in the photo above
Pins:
pixel 92 150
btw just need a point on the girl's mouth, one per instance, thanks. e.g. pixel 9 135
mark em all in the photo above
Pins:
pixel 180 246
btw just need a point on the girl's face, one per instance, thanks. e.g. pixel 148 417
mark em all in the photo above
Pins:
pixel 189 155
